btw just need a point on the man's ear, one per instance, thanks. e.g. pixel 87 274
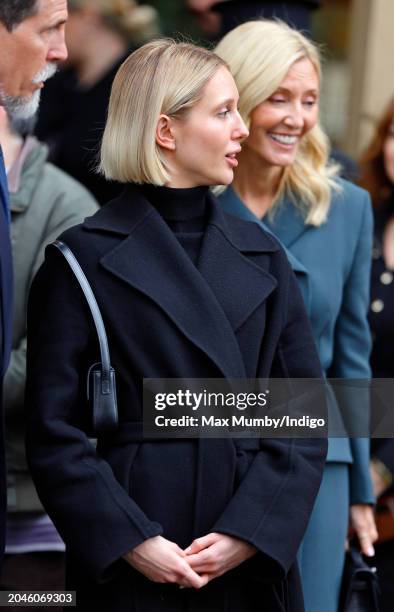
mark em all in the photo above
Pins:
pixel 165 134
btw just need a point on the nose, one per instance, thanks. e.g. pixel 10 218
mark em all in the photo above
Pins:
pixel 295 118
pixel 57 50
pixel 241 130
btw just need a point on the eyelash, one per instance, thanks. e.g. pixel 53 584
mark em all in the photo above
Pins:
pixel 224 113
pixel 308 103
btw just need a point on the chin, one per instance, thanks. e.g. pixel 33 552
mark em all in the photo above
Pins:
pixel 225 179
pixel 22 107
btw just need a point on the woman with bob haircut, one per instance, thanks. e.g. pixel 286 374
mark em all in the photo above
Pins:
pixel 285 182
pixel 186 291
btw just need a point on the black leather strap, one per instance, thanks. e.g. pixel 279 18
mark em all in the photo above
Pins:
pixel 96 314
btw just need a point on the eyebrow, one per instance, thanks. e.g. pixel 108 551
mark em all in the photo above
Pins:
pixel 225 103
pixel 285 89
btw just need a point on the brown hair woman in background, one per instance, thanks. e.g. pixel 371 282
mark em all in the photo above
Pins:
pixel 377 176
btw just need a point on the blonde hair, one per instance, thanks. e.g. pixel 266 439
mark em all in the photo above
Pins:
pixel 165 77
pixel 136 23
pixel 259 54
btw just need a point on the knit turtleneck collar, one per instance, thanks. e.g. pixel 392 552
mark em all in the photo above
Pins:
pixel 177 204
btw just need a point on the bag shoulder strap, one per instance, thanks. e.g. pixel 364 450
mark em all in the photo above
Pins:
pixel 94 309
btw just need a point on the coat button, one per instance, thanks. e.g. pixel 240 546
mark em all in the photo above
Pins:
pixel 377 306
pixel 375 253
pixel 386 278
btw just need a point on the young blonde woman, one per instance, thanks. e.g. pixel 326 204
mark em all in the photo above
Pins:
pixel 141 518
pixel 284 182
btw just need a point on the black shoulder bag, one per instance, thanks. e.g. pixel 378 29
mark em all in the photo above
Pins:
pixel 101 384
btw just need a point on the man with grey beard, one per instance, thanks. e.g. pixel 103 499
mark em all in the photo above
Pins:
pixel 31 43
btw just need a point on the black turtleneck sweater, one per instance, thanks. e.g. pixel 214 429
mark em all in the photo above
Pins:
pixel 184 211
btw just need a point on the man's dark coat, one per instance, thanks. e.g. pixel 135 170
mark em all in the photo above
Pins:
pixel 240 314
pixel 5 332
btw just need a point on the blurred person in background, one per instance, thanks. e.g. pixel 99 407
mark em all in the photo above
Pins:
pixel 377 175
pixel 44 201
pixel 285 182
pixel 100 34
pixel 221 17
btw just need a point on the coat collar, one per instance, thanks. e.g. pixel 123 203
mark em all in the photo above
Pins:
pixel 123 215
pixel 288 223
pixel 284 231
pixel 208 304
pixel 232 204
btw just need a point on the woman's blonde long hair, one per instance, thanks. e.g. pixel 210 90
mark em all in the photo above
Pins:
pixel 260 54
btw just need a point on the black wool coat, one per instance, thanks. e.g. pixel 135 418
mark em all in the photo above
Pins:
pixel 239 314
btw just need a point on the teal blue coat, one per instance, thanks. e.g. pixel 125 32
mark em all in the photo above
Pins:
pixel 332 265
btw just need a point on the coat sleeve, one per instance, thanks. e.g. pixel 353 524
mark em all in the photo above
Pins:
pixel 352 347
pixel 93 513
pixel 273 502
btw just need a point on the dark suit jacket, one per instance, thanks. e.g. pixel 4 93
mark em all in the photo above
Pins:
pixel 5 330
pixel 240 314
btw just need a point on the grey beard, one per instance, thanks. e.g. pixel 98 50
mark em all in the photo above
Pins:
pixel 21 108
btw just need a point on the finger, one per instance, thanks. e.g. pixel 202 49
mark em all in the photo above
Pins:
pixel 203 568
pixel 366 544
pixel 200 543
pixel 201 558
pixel 205 578
pixel 190 578
pixel 374 534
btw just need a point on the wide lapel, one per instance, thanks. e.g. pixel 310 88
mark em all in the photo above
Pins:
pixel 240 286
pixel 151 260
pixel 282 228
pixel 288 223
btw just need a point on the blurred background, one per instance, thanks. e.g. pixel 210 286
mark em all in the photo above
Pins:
pixel 358 60
pixel 358 47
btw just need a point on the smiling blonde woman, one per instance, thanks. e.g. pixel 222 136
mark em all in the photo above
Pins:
pixel 285 183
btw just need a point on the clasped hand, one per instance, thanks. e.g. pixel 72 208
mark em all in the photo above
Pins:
pixel 206 558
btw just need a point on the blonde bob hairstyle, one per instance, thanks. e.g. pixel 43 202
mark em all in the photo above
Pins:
pixel 259 54
pixel 163 76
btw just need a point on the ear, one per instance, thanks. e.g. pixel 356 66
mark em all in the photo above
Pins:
pixel 165 137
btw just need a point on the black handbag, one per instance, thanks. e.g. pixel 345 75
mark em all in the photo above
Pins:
pixel 360 587
pixel 100 384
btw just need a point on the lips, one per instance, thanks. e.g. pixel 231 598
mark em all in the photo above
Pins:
pixel 231 158
pixel 284 139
